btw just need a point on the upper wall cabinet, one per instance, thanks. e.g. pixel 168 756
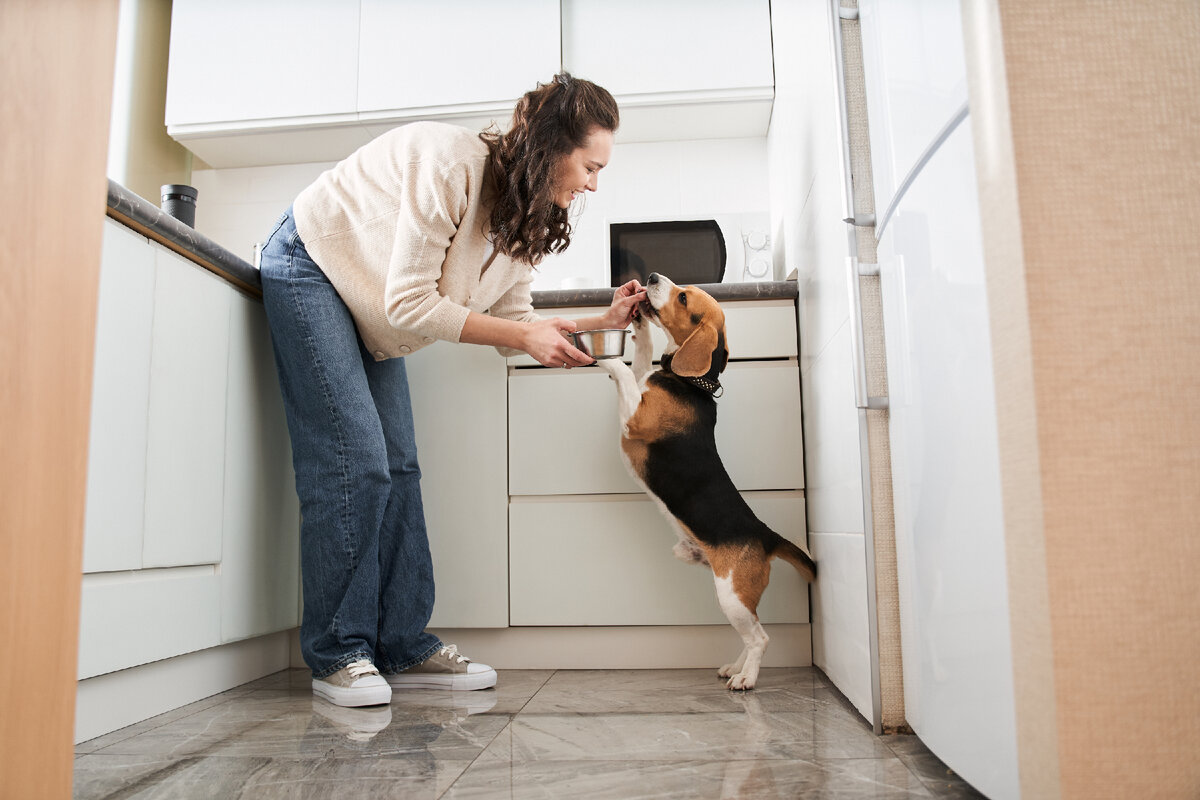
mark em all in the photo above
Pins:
pixel 425 59
pixel 266 82
pixel 233 61
pixel 680 69
pixel 274 82
pixel 632 47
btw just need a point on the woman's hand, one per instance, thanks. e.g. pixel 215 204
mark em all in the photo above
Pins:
pixel 624 305
pixel 546 341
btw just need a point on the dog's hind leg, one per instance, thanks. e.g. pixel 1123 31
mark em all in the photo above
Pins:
pixel 740 585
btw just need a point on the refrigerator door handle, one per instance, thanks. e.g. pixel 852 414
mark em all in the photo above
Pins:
pixel 854 271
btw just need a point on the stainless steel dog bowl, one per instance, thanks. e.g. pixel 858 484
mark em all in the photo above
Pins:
pixel 600 344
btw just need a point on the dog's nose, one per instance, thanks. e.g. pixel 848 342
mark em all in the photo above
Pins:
pixel 653 279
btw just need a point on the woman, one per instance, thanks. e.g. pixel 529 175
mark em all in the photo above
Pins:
pixel 428 232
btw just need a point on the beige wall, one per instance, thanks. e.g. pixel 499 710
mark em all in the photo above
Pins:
pixel 55 91
pixel 141 157
pixel 1090 213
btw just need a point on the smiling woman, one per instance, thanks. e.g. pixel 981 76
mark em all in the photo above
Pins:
pixel 428 232
pixel 561 136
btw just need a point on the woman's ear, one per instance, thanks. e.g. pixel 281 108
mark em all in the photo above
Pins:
pixel 694 357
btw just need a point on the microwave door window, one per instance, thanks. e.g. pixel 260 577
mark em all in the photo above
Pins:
pixel 685 252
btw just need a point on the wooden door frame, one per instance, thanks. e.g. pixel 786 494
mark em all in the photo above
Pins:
pixel 55 97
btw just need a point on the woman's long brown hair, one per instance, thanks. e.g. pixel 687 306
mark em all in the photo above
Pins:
pixel 548 124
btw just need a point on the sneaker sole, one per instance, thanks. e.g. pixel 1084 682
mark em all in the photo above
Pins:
pixel 353 698
pixel 460 682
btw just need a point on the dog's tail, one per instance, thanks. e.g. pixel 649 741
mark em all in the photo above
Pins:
pixel 792 554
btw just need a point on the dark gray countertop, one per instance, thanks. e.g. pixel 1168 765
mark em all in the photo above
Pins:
pixel 148 219
pixel 765 290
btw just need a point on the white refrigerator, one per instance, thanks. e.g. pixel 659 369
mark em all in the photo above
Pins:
pixel 956 645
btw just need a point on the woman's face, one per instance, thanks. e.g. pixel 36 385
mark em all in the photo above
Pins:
pixel 577 172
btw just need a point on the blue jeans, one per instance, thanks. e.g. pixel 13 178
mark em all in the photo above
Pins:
pixel 365 566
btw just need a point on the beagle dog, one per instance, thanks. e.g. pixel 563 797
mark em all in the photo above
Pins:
pixel 667 421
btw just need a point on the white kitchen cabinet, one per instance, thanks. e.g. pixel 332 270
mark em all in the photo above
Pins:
pixel 586 545
pixel 458 399
pixel 680 69
pixel 120 398
pixel 245 89
pixel 607 560
pixel 564 436
pixel 192 528
pixel 260 530
pixel 414 54
pixel 185 448
pixel 632 47
pixel 131 618
pixel 234 61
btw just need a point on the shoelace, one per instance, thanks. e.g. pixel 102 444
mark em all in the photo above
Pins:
pixel 362 667
pixel 451 651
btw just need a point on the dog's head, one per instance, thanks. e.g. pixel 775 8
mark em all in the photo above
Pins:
pixel 694 324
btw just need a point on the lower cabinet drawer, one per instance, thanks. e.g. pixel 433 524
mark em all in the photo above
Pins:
pixel 564 435
pixel 607 560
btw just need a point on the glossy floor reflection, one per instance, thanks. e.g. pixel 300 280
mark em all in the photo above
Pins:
pixel 540 734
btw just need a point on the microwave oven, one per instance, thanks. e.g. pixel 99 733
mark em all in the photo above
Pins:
pixel 727 248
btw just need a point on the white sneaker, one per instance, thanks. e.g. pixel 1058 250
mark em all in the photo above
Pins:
pixel 445 669
pixel 356 684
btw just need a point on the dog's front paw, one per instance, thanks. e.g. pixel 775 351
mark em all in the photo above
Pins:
pixel 728 670
pixel 641 324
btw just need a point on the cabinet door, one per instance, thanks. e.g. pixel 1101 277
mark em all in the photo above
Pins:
pixel 564 434
pixel 260 550
pixel 185 451
pixel 631 47
pixel 132 618
pixel 608 561
pixel 233 60
pixel 418 54
pixel 116 484
pixel 458 398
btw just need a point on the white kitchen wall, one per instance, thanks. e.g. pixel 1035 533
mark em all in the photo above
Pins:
pixel 661 180
pixel 804 156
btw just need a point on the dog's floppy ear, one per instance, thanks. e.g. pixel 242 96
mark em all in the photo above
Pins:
pixel 695 356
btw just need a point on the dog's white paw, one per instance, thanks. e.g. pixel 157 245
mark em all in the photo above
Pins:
pixel 641 324
pixel 741 682
pixel 728 670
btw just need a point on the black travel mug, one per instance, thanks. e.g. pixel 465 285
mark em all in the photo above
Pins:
pixel 179 200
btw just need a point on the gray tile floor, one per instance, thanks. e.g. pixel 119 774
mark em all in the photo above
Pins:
pixel 540 734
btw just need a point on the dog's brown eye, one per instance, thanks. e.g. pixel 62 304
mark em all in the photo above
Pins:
pixel 683 299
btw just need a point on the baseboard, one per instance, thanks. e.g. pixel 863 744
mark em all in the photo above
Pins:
pixel 634 647
pixel 638 647
pixel 115 700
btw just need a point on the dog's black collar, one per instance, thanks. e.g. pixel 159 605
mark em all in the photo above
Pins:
pixel 712 387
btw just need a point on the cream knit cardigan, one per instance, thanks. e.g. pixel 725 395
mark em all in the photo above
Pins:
pixel 400 229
